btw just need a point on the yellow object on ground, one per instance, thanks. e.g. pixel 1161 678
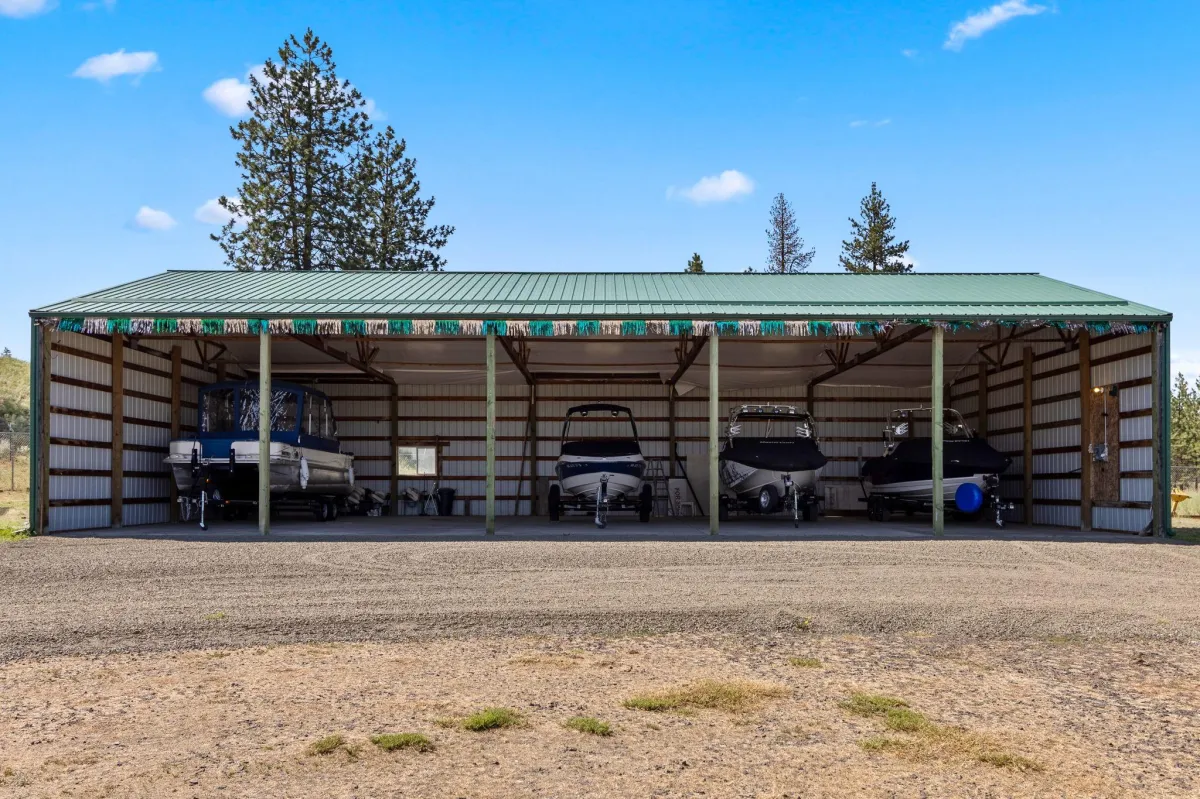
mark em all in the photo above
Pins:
pixel 1176 499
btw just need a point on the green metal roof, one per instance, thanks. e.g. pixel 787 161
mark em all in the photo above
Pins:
pixel 624 295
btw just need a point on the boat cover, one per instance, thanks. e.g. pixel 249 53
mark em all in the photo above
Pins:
pixel 912 459
pixel 774 454
pixel 602 448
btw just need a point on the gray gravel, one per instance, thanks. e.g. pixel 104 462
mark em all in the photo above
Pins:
pixel 63 595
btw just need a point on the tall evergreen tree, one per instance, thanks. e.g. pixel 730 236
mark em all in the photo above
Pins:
pixel 785 248
pixel 317 191
pixel 873 247
pixel 1185 433
pixel 391 231
pixel 695 265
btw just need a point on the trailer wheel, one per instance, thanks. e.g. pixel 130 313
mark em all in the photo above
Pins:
pixel 646 503
pixel 768 499
pixel 552 503
pixel 334 512
pixel 809 511
pixel 321 511
pixel 722 508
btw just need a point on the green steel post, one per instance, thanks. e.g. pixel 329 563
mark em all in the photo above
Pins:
pixel 35 426
pixel 264 431
pixel 1161 413
pixel 491 434
pixel 935 433
pixel 714 404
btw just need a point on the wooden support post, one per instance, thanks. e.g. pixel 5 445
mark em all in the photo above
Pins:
pixel 1027 423
pixel 533 449
pixel 671 445
pixel 264 431
pixel 935 431
pixel 490 522
pixel 39 465
pixel 1085 431
pixel 982 401
pixel 1160 496
pixel 117 491
pixel 714 420
pixel 394 458
pixel 176 402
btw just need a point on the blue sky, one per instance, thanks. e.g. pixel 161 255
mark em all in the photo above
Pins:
pixel 1012 136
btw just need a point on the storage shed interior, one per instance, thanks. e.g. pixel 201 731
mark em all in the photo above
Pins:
pixel 1043 370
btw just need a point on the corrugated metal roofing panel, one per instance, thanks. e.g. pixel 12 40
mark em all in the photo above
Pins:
pixel 611 295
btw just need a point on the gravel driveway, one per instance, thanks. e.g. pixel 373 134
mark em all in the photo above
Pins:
pixel 62 595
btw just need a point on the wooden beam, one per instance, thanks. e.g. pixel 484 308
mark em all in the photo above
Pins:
pixel 1085 430
pixel 936 387
pixel 394 458
pixel 176 403
pixel 671 429
pixel 117 490
pixel 264 431
pixel 533 449
pixel 981 403
pixel 581 378
pixel 863 357
pixel 1027 423
pixel 490 496
pixel 686 356
pixel 518 353
pixel 714 421
pixel 317 343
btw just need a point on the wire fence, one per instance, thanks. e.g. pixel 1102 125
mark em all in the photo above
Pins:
pixel 1185 482
pixel 14 461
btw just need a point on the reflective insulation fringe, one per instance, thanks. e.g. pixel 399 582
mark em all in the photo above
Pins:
pixel 216 326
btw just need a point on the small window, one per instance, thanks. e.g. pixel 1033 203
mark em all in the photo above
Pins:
pixel 216 411
pixel 416 461
pixel 283 410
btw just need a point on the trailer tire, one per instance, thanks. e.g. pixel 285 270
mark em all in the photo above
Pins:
pixel 809 511
pixel 645 503
pixel 552 503
pixel 768 499
pixel 321 511
pixel 722 508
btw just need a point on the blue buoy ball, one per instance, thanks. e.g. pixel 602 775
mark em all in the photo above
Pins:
pixel 968 498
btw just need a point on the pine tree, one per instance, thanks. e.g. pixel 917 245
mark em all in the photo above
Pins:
pixel 318 192
pixel 1185 433
pixel 785 247
pixel 873 247
pixel 391 232
pixel 695 265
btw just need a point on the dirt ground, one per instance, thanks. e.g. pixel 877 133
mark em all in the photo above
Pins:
pixel 134 667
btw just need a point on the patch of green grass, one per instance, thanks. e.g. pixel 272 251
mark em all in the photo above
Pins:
pixel 216 616
pixel 732 697
pixel 805 663
pixel 881 743
pixel 589 725
pixel 871 704
pixel 391 741
pixel 327 745
pixel 491 718
pixel 901 719
pixel 13 534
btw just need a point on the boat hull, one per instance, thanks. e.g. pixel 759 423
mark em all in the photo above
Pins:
pixel 747 481
pixel 581 475
pixel 922 490
pixel 295 471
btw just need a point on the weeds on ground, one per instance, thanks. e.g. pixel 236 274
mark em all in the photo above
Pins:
pixel 14 534
pixel 924 740
pixel 391 741
pixel 805 663
pixel 492 718
pixel 216 616
pixel 732 697
pixel 591 726
pixel 327 745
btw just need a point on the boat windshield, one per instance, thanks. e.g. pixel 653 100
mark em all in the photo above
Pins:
pixel 915 422
pixel 216 411
pixel 603 423
pixel 283 410
pixel 760 422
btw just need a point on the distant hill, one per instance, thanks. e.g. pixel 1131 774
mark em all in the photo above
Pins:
pixel 14 392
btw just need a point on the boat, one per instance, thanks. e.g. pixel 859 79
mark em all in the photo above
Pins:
pixel 219 464
pixel 902 478
pixel 599 474
pixel 778 467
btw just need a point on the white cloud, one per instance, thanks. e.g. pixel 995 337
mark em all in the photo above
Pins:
pixel 373 111
pixel 110 65
pixel 908 260
pixel 862 123
pixel 981 22
pixel 910 53
pixel 230 96
pixel 107 5
pixel 1186 361
pixel 728 185
pixel 26 8
pixel 211 213
pixel 151 219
